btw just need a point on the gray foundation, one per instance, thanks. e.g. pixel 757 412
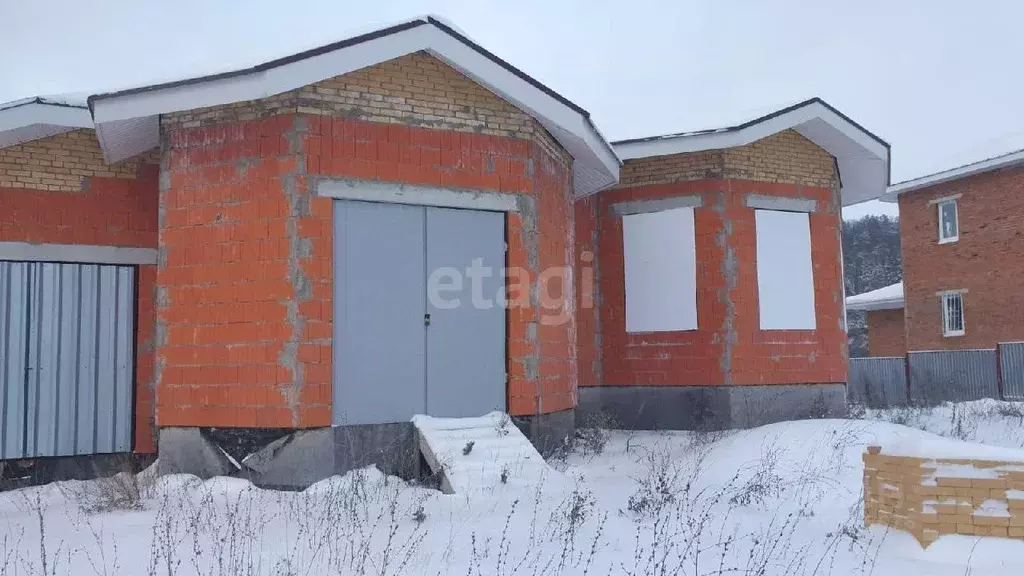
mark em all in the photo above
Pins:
pixel 295 459
pixel 290 459
pixel 547 432
pixel 709 407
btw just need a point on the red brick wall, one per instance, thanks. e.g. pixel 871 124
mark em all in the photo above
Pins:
pixel 987 261
pixel 103 211
pixel 247 281
pixel 728 347
pixel 886 336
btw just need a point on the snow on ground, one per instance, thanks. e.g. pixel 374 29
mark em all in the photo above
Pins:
pixel 782 499
pixel 991 422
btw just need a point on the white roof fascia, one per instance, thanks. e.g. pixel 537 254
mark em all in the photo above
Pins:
pixel 733 137
pixel 873 162
pixel 33 119
pixel 889 297
pixel 953 174
pixel 573 129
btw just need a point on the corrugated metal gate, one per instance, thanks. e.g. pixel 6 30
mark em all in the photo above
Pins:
pixel 67 358
pixel 1011 365
pixel 878 382
pixel 952 376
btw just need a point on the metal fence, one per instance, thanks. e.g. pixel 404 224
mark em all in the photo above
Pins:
pixel 955 375
pixel 928 378
pixel 878 382
pixel 66 359
pixel 1011 366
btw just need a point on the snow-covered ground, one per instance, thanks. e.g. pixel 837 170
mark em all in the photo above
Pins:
pixel 782 499
pixel 984 421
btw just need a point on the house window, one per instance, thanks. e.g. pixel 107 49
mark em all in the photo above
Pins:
pixel 785 270
pixel 949 225
pixel 661 271
pixel 953 314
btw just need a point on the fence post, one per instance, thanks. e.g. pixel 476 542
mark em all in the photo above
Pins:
pixel 999 370
pixel 906 370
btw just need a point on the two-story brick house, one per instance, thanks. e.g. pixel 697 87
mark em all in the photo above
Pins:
pixel 962 238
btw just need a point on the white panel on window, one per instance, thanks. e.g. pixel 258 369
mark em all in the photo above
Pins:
pixel 661 271
pixel 785 277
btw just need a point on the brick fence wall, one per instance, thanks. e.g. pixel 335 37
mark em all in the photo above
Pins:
pixel 931 497
pixel 58 190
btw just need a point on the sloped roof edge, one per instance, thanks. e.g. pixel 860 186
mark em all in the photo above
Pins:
pixel 864 157
pixel 886 298
pixel 37 117
pixel 125 119
pixel 980 167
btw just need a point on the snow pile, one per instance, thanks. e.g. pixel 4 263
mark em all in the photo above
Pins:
pixel 783 499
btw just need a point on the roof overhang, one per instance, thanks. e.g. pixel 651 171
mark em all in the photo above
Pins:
pixel 863 157
pixel 989 165
pixel 127 122
pixel 34 118
pixel 887 298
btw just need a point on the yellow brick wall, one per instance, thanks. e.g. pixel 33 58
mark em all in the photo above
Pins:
pixel 786 158
pixel 415 90
pixel 908 494
pixel 60 163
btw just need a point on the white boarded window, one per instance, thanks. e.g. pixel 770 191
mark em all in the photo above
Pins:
pixel 661 271
pixel 785 277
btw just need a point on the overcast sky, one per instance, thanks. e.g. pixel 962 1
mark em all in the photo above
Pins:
pixel 937 79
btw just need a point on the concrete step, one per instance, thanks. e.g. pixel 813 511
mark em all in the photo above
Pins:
pixel 471 454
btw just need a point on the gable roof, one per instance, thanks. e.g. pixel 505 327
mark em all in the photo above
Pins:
pixel 886 298
pixel 863 157
pixel 1000 162
pixel 30 119
pixel 127 122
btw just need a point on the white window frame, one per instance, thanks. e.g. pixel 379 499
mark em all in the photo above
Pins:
pixel 956 220
pixel 947 330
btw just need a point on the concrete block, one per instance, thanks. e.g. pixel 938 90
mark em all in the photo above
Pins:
pixel 392 448
pixel 295 461
pixel 188 451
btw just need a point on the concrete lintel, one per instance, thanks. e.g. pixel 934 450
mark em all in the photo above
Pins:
pixel 761 202
pixel 647 206
pixel 945 198
pixel 397 193
pixel 84 254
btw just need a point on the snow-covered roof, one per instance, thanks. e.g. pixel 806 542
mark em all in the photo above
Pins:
pixel 40 117
pixel 862 156
pixel 887 298
pixel 127 121
pixel 987 165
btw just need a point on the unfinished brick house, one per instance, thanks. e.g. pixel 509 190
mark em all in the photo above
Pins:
pixel 276 237
pixel 963 259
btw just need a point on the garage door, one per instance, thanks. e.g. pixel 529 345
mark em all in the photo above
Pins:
pixel 66 358
pixel 418 327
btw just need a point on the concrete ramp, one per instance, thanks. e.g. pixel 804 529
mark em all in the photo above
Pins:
pixel 499 453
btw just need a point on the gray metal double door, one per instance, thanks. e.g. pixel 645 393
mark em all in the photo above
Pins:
pixel 419 315
pixel 67 358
